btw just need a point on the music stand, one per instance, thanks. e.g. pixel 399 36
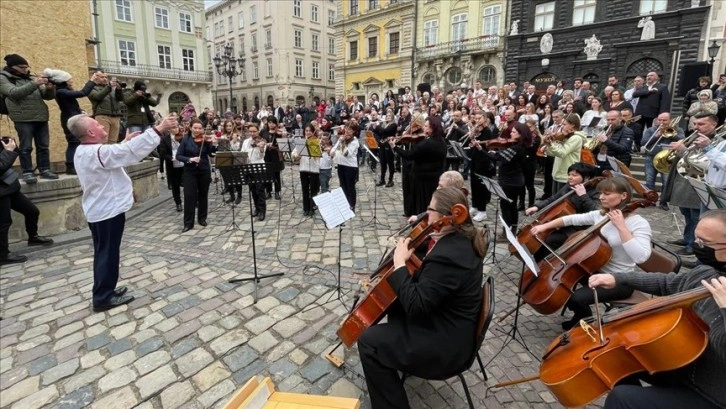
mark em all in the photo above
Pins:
pixel 711 196
pixel 496 190
pixel 286 146
pixel 374 221
pixel 251 174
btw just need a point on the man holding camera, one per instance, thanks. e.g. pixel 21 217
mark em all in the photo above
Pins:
pixel 139 116
pixel 24 98
pixel 107 98
pixel 12 198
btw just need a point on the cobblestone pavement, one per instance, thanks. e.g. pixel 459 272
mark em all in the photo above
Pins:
pixel 190 339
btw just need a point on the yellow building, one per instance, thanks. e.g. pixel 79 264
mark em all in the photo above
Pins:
pixel 460 42
pixel 374 46
pixel 57 41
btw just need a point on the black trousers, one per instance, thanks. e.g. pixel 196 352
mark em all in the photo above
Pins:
pixel 346 177
pixel 583 297
pixel 21 204
pixel 529 169
pixel 549 163
pixel 72 140
pixel 480 195
pixel 258 197
pixel 386 157
pixel 509 209
pixel 409 205
pixel 385 386
pixel 655 397
pixel 276 181
pixel 175 180
pixel 310 188
pixel 196 194
pixel 106 236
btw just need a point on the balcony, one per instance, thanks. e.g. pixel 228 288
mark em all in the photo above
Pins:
pixel 465 46
pixel 154 72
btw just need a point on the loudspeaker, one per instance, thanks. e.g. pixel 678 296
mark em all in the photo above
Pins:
pixel 690 73
pixel 401 91
pixel 424 87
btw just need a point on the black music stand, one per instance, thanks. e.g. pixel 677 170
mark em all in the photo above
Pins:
pixel 251 174
pixel 286 146
pixel 496 190
pixel 374 221
pixel 224 162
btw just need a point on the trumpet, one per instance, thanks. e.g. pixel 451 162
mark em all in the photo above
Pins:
pixel 695 163
pixel 669 132
pixel 663 160
pixel 593 143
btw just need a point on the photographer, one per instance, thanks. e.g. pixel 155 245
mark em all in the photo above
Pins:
pixel 139 116
pixel 107 98
pixel 12 198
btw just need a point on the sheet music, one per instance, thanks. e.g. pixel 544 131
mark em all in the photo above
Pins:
pixel 284 144
pixel 493 187
pixel 523 251
pixel 334 208
pixel 712 197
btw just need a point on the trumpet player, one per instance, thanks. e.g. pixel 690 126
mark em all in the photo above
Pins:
pixel 705 124
pixel 618 141
pixel 652 146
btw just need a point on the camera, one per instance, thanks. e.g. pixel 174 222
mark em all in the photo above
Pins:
pixel 122 85
pixel 5 139
pixel 147 95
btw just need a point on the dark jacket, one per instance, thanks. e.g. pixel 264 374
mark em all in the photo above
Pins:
pixel 106 100
pixel 135 104
pixel 7 158
pixel 620 144
pixel 510 165
pixel 583 204
pixel 651 104
pixel 189 149
pixel 428 156
pixel 67 99
pixel 25 99
pixel 691 97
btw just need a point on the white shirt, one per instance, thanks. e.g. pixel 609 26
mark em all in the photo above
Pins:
pixel 253 153
pixel 107 189
pixel 348 155
pixel 326 162
pixel 716 175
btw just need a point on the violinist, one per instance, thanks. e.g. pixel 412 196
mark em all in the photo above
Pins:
pixel 628 235
pixel 345 155
pixel 584 200
pixel 510 118
pixel 431 325
pixel 701 383
pixel 174 169
pixel 481 164
pixel 530 164
pixel 548 161
pixel 231 141
pixel 194 151
pixel 413 131
pixel 309 173
pixel 270 135
pixel 256 149
pixel 565 151
pixel 385 132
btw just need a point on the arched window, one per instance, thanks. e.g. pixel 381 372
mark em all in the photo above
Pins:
pixel 177 101
pixel 429 78
pixel 487 76
pixel 453 76
pixel 299 100
pixel 257 102
pixel 642 67
pixel 594 81
pixel 244 105
pixel 270 101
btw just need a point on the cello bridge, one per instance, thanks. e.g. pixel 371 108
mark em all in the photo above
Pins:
pixel 590 331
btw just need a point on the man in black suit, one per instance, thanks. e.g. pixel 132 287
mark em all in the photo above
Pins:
pixel 513 91
pixel 654 99
pixel 531 94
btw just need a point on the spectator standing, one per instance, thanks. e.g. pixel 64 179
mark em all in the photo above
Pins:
pixel 107 98
pixel 138 102
pixel 67 99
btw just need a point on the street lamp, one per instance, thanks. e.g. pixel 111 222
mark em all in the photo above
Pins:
pixel 713 51
pixel 227 66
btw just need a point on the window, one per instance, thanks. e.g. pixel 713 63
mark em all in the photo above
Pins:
pixel 372 47
pixel 454 76
pixel 544 16
pixel 315 46
pixel 298 67
pixel 393 43
pixel 492 16
pixel 164 52
pixel 372 4
pixel 297 8
pixel 331 72
pixel 316 70
pixel 353 50
pixel 331 17
pixel 230 24
pixel 429 78
pixel 127 52
pixel 161 18
pixel 187 59
pixel 185 22
pixel 583 12
pixel 487 76
pixel 123 10
pixel 255 70
pixel 458 26
pixel 652 6
pixel 331 45
pixel 314 13
pixel 240 20
pixel 431 31
pixel 298 38
pixel 268 38
pixel 253 15
pixel 242 43
pixel 640 67
pixel 353 7
pixel 254 42
pixel 269 67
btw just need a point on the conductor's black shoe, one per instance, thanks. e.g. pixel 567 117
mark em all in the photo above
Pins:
pixel 40 241
pixel 11 258
pixel 277 195
pixel 679 242
pixel 381 183
pixel 261 216
pixel 119 291
pixel 115 301
pixel 255 213
pixel 238 200
pixel 389 184
pixel 203 223
pixel 186 229
pixel 179 207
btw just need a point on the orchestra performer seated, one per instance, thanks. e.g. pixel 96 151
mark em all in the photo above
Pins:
pixel 431 326
pixel 701 383
pixel 628 235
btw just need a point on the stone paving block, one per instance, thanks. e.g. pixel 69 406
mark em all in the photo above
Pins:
pixel 151 320
pixel 182 331
pixel 123 330
pixel 33 332
pixel 83 378
pixel 190 314
pixel 155 381
pixel 68 329
pixel 121 399
pixel 143 335
pixel 185 345
pixel 289 327
pixel 209 332
pixel 120 360
pixel 150 345
pixel 298 356
pixel 177 394
pixel 240 358
pixel 119 346
pixel 120 377
pixel 228 341
pixel 193 362
pixel 76 399
pixel 152 361
pixel 316 369
pixel 208 398
pixel 282 368
pixel 281 350
pixel 167 325
pixel 32 343
pixel 61 371
pixel 98 341
pixel 27 356
pixel 13 376
pixel 38 399
pixel 253 369
pixel 260 324
pixel 41 364
pixel 118 320
pixel 289 383
pixel 229 322
pixel 20 390
pixel 210 376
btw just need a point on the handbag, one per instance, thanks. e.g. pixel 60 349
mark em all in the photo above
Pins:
pixel 9 177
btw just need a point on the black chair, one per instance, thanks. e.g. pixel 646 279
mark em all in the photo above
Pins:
pixel 485 318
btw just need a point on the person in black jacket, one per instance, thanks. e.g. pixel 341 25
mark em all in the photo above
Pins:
pixel 194 152
pixel 169 146
pixel 12 198
pixel 482 165
pixel 583 200
pixel 67 99
pixel 619 144
pixel 692 94
pixel 653 99
pixel 385 155
pixel 431 327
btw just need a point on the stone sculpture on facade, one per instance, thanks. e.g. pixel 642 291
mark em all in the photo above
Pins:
pixel 648 26
pixel 545 44
pixel 592 47
pixel 515 28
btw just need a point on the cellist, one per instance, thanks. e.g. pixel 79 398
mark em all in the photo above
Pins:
pixel 701 384
pixel 628 235
pixel 431 326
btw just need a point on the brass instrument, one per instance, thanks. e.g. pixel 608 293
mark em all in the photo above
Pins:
pixel 633 119
pixel 695 164
pixel 663 160
pixel 670 131
pixel 593 143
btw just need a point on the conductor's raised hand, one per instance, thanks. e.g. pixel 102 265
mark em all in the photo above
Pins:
pixel 170 121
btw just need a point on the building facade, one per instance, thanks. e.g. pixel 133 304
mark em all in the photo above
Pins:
pixel 716 32
pixel 562 40
pixel 460 42
pixel 159 42
pixel 286 48
pixel 375 50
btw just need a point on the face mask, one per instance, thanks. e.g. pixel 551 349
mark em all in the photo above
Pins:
pixel 707 256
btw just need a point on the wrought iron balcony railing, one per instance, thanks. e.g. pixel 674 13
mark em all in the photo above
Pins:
pixel 467 45
pixel 155 72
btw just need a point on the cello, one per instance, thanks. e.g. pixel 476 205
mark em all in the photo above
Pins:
pixel 584 253
pixel 661 334
pixel 381 295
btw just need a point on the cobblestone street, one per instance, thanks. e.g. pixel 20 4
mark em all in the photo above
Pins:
pixel 190 339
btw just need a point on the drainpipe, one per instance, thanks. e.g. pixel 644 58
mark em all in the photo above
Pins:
pixel 413 48
pixel 95 32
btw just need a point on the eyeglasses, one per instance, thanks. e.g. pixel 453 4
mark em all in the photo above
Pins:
pixel 701 244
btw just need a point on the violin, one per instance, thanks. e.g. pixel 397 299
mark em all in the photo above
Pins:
pixel 584 253
pixel 202 138
pixel 494 144
pixel 375 304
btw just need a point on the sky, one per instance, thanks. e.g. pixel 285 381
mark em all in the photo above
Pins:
pixel 210 3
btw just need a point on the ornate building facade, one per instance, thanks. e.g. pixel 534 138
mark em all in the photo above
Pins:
pixel 460 42
pixel 551 40
pixel 287 49
pixel 375 47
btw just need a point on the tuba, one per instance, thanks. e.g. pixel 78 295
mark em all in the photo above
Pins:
pixel 695 163
pixel 664 160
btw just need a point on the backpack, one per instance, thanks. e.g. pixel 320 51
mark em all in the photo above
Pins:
pixel 3 105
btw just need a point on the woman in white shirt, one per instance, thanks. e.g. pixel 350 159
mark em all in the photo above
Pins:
pixel 345 155
pixel 310 171
pixel 529 114
pixel 596 112
pixel 629 236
